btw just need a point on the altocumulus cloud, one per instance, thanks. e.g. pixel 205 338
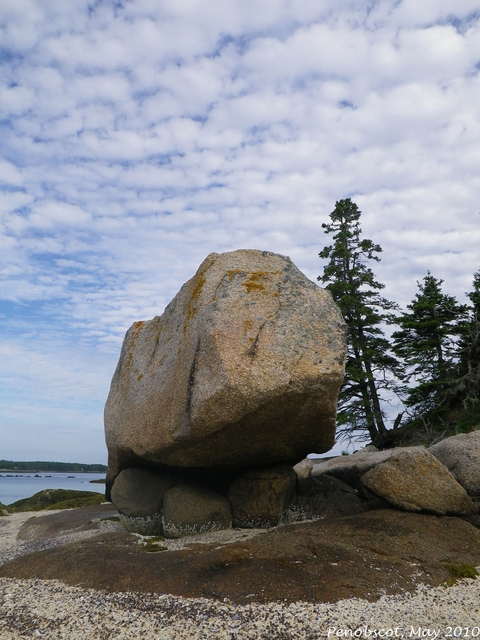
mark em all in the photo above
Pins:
pixel 139 136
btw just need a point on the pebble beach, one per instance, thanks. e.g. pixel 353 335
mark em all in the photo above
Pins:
pixel 50 609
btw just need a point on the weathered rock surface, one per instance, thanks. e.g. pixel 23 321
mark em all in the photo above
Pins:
pixel 188 509
pixel 461 455
pixel 260 498
pixel 138 493
pixel 414 480
pixel 243 368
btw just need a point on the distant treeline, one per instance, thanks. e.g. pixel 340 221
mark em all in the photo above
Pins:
pixel 8 465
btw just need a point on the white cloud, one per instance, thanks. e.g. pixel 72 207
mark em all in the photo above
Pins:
pixel 138 138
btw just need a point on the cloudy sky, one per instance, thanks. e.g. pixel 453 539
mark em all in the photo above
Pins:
pixel 137 136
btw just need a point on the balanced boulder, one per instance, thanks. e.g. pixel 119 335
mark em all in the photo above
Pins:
pixel 242 369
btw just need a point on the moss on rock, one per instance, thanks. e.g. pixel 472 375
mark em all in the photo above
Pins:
pixel 56 499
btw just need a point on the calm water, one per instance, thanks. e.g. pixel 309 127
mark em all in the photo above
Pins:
pixel 13 489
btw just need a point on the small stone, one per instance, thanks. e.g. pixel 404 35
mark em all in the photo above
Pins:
pixel 326 497
pixel 303 468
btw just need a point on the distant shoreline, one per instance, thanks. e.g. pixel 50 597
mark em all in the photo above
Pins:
pixel 42 466
pixel 19 472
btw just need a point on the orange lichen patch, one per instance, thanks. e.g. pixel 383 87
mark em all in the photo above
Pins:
pixel 192 308
pixel 253 284
pixel 136 331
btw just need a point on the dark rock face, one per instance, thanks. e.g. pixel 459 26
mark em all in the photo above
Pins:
pixel 188 509
pixel 326 497
pixel 260 498
pixel 242 369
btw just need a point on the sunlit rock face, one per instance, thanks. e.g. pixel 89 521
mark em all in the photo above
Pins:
pixel 242 369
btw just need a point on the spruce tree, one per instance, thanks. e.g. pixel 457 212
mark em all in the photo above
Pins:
pixel 371 368
pixel 465 388
pixel 428 343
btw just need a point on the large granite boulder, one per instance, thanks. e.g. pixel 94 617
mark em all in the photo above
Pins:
pixel 461 455
pixel 243 368
pixel 414 480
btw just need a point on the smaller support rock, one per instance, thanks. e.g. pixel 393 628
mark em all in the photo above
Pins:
pixel 138 496
pixel 259 498
pixel 188 510
pixel 139 492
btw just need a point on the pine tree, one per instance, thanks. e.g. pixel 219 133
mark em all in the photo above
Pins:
pixel 370 367
pixel 428 342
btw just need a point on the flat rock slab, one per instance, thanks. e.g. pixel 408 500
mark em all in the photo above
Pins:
pixel 351 468
pixel 363 556
pixel 66 521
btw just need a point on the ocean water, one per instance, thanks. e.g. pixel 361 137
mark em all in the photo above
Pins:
pixel 16 488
